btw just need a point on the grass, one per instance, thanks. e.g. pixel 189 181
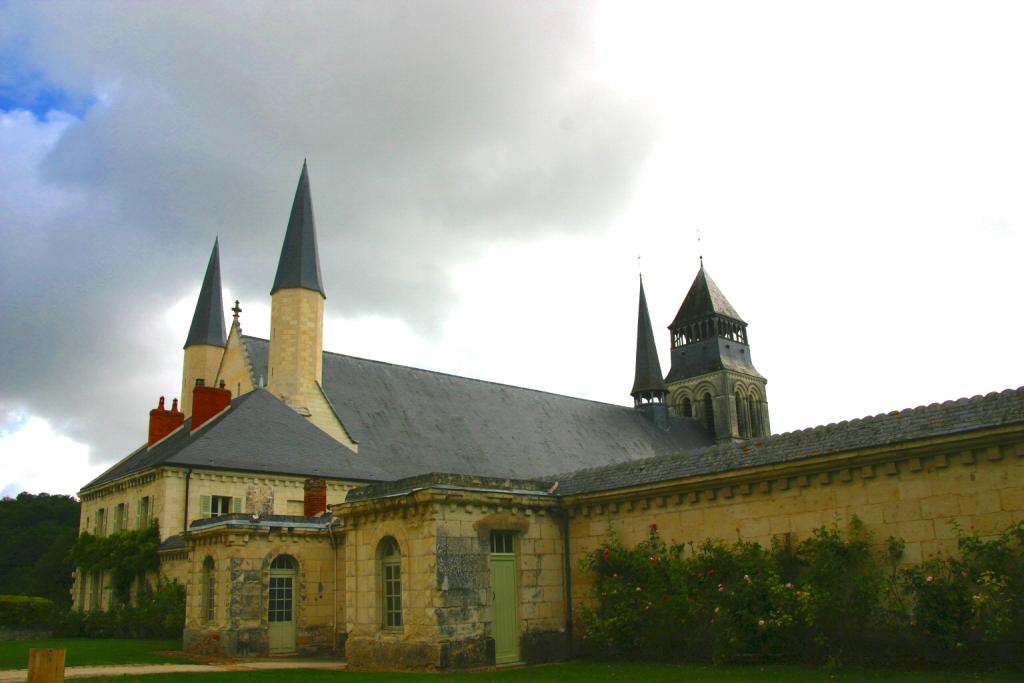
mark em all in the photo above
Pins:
pixel 87 651
pixel 591 672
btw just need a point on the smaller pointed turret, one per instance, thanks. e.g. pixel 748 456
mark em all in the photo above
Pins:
pixel 204 346
pixel 647 380
pixel 649 388
pixel 299 265
pixel 208 319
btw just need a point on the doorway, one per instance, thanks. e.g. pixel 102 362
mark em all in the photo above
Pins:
pixel 505 597
pixel 281 604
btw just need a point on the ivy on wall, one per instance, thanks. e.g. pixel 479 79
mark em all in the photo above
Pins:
pixel 123 555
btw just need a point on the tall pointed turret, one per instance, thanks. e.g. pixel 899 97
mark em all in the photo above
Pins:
pixel 649 388
pixel 712 377
pixel 297 308
pixel 296 355
pixel 204 345
pixel 299 265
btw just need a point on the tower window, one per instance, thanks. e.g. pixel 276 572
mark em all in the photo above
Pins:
pixel 687 408
pixel 742 423
pixel 755 417
pixel 709 413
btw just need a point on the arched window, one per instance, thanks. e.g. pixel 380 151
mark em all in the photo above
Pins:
pixel 284 562
pixel 390 559
pixel 755 417
pixel 741 417
pixel 709 414
pixel 209 589
pixel 687 408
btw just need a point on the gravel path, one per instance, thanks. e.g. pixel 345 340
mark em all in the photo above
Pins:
pixel 21 675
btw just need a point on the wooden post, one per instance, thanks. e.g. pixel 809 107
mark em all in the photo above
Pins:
pixel 45 665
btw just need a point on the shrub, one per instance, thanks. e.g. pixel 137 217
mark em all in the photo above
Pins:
pixel 159 613
pixel 824 598
pixel 23 610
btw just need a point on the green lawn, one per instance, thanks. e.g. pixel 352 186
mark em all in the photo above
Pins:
pixel 86 651
pixel 589 672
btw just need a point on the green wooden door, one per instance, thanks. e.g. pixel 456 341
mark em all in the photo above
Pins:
pixel 505 604
pixel 281 605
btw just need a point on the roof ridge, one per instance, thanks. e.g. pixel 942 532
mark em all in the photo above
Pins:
pixel 905 411
pixel 451 374
pixel 796 434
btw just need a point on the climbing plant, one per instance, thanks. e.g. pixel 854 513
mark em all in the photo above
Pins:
pixel 124 556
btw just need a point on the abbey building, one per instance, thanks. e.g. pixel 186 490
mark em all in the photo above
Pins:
pixel 312 501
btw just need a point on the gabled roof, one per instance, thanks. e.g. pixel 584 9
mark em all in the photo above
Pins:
pixel 208 319
pixel 299 265
pixel 704 300
pixel 257 433
pixel 647 377
pixel 411 421
pixel 951 417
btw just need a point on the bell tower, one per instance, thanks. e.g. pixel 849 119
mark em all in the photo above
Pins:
pixel 712 377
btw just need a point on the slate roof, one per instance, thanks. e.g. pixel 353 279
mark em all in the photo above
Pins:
pixel 175 542
pixel 703 300
pixel 411 421
pixel 440 480
pixel 243 519
pixel 208 319
pixel 258 433
pixel 951 417
pixel 299 265
pixel 647 377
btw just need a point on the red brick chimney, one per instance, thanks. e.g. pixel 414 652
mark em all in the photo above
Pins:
pixel 314 499
pixel 162 421
pixel 207 402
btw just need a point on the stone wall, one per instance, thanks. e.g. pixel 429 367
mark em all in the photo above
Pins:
pixel 916 492
pixel 444 537
pixel 241 560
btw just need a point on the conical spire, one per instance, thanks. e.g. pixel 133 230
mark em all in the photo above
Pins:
pixel 299 265
pixel 704 300
pixel 648 380
pixel 208 320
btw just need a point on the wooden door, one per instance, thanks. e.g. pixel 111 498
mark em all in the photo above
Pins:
pixel 505 598
pixel 281 605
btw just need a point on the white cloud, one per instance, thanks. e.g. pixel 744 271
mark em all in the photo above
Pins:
pixel 36 458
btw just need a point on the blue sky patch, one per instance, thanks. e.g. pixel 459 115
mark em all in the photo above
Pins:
pixel 25 87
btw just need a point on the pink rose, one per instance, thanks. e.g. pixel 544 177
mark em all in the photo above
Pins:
pixel 930 579
pixel 760 622
pixel 721 588
pixel 717 609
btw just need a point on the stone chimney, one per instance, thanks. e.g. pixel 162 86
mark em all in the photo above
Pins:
pixel 162 421
pixel 314 499
pixel 208 402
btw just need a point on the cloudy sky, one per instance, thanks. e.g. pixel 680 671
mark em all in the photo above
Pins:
pixel 485 175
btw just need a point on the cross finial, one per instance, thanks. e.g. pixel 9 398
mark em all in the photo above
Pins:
pixel 236 310
pixel 700 256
